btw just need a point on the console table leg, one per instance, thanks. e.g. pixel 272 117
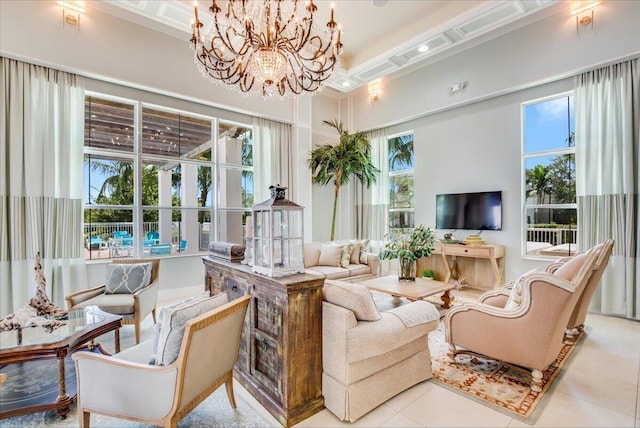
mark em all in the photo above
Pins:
pixel 446 300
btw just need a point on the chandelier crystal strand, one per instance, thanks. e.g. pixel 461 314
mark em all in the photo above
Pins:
pixel 266 47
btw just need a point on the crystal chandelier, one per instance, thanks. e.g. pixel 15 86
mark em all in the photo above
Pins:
pixel 264 47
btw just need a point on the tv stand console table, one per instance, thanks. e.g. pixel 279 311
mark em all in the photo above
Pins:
pixel 481 266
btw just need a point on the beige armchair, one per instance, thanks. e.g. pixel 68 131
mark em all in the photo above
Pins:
pixel 367 356
pixel 579 314
pixel 134 308
pixel 126 386
pixel 499 296
pixel 531 333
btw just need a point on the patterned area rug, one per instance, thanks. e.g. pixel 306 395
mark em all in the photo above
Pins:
pixel 501 386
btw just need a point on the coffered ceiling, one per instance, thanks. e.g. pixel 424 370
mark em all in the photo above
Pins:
pixel 380 37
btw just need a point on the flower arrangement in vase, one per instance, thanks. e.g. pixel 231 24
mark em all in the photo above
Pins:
pixel 408 248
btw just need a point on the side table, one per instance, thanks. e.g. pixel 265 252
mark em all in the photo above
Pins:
pixel 25 346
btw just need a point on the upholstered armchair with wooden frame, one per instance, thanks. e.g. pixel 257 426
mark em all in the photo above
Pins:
pixel 126 386
pixel 579 314
pixel 529 334
pixel 499 296
pixel 134 308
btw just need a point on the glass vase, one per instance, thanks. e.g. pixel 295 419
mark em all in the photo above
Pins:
pixel 406 270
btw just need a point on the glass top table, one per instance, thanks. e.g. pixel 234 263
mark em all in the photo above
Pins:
pixel 80 329
pixel 75 322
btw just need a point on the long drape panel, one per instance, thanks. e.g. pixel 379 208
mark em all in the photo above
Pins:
pixel 41 140
pixel 372 204
pixel 607 114
pixel 272 158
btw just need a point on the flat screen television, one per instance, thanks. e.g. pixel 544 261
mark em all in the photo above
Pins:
pixel 472 211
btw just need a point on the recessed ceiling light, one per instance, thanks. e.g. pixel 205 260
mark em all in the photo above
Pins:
pixel 346 84
pixel 379 3
pixel 423 48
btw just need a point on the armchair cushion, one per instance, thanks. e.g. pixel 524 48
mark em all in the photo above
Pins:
pixel 515 296
pixel 569 270
pixel 354 297
pixel 127 278
pixel 121 304
pixel 172 326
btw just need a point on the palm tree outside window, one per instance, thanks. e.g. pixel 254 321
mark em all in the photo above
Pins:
pixel 401 182
pixel 549 178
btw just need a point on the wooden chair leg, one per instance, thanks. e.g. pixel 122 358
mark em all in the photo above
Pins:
pixel 229 385
pixel 137 325
pixel 84 418
pixel 452 352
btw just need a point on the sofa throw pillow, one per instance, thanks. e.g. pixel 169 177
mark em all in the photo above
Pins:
pixel 127 278
pixel 345 259
pixel 355 253
pixel 172 326
pixel 330 255
pixel 355 297
pixel 515 297
pixel 364 245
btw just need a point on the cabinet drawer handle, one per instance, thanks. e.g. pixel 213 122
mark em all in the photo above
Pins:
pixel 234 288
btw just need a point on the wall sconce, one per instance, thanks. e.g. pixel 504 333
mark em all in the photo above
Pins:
pixel 583 11
pixel 71 12
pixel 374 90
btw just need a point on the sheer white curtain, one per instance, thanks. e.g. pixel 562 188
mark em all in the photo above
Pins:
pixel 41 112
pixel 272 158
pixel 372 204
pixel 607 103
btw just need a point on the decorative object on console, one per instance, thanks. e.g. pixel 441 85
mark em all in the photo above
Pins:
pixel 266 47
pixel 336 163
pixel 474 240
pixel 429 274
pixel 227 251
pixel 407 248
pixel 278 235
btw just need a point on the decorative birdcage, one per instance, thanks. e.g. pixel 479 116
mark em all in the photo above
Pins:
pixel 278 235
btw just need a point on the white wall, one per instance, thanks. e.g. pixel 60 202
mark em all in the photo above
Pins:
pixel 545 50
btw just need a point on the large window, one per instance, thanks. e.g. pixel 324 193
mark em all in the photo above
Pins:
pixel 401 201
pixel 159 181
pixel 549 177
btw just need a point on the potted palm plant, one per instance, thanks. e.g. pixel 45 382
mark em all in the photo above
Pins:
pixel 408 248
pixel 351 156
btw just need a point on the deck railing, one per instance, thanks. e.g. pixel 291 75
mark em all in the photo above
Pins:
pixel 552 236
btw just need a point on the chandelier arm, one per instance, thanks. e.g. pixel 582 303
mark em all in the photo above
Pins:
pixel 256 49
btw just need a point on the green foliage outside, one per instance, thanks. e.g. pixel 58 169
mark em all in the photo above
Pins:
pixel 118 188
pixel 555 183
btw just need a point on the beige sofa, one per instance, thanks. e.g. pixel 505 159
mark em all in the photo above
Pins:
pixel 330 260
pixel 367 356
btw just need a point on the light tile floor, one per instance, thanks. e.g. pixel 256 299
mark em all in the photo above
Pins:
pixel 599 387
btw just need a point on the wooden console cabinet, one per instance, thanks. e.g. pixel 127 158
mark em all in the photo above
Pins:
pixel 280 361
pixel 481 266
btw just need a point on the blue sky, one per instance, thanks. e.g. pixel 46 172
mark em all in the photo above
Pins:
pixel 545 125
